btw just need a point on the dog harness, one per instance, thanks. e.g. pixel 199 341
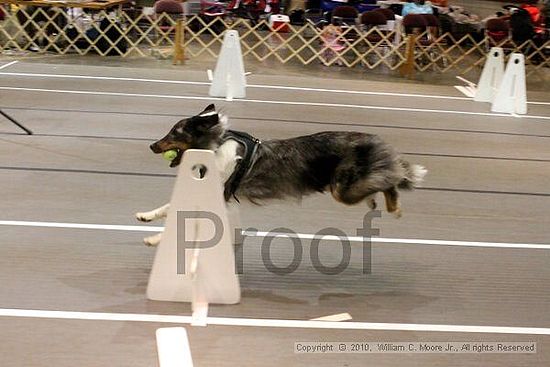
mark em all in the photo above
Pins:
pixel 250 145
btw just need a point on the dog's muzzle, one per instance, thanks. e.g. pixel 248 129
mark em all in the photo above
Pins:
pixel 155 147
pixel 160 147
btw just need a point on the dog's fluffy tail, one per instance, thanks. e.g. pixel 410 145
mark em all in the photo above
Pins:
pixel 414 175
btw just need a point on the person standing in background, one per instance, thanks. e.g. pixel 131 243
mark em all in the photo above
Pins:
pixel 544 6
pixel 417 7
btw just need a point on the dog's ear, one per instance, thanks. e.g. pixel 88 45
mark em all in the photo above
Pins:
pixel 205 120
pixel 209 110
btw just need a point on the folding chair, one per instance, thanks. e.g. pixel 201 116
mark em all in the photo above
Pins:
pixel 345 16
pixel 373 25
pixel 497 33
pixel 167 13
pixel 373 19
pixel 414 24
pixel 417 25
pixel 314 13
pixel 173 9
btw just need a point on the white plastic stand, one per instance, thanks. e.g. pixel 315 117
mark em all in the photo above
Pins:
pixel 173 347
pixel 229 79
pixel 209 275
pixel 234 223
pixel 469 90
pixel 512 96
pixel 491 76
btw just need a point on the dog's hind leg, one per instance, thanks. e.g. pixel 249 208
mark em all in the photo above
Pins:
pixel 155 214
pixel 392 202
pixel 351 186
pixel 153 240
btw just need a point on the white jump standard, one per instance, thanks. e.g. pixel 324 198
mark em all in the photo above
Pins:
pixel 195 273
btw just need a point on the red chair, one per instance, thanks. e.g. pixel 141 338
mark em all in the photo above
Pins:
pixel 424 27
pixel 414 24
pixel 173 9
pixel 389 27
pixel 373 23
pixel 313 12
pixel 167 12
pixel 346 16
pixel 431 20
pixel 432 24
pixel 497 30
pixel 169 6
pixel 371 20
pixel 388 13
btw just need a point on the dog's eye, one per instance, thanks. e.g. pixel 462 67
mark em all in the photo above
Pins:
pixel 178 131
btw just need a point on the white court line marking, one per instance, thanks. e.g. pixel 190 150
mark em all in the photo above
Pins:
pixel 8 64
pixel 109 227
pixel 277 323
pixel 282 87
pixel 316 104
pixel 337 317
pixel 414 241
pixel 304 236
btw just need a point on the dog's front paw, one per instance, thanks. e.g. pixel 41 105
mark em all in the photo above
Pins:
pixel 153 240
pixel 397 214
pixel 145 217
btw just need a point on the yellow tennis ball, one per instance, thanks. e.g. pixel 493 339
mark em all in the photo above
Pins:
pixel 170 155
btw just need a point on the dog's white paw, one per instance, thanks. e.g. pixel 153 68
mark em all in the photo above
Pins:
pixel 145 217
pixel 397 214
pixel 153 240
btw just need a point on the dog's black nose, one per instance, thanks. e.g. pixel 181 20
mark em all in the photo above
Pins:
pixel 155 148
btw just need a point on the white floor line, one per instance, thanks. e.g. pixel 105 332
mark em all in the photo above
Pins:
pixel 316 104
pixel 108 227
pixel 336 317
pixel 8 64
pixel 304 236
pixel 91 77
pixel 276 323
pixel 281 87
pixel 409 241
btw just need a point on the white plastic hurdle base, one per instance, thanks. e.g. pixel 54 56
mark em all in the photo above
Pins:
pixel 511 96
pixel 491 76
pixel 173 347
pixel 229 79
pixel 209 274
pixel 234 223
pixel 469 90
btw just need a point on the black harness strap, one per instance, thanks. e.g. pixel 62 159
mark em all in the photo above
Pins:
pixel 250 145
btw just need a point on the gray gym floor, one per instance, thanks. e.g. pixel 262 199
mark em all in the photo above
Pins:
pixel 89 163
